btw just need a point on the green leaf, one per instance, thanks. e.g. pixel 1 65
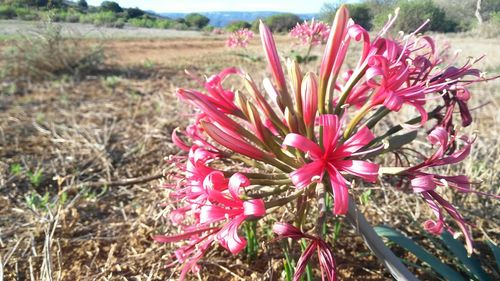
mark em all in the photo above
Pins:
pixel 289 265
pixel 457 248
pixel 399 141
pixel 397 237
pixel 16 169
pixel 496 252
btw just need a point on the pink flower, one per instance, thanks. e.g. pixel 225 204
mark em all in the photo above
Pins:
pixel 314 33
pixel 200 240
pixel 229 207
pixel 425 183
pixel 332 157
pixel 325 255
pixel 215 201
pixel 239 38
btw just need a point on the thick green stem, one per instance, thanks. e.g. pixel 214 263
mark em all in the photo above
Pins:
pixel 354 121
pixel 356 76
pixel 376 245
pixel 379 115
pixel 282 201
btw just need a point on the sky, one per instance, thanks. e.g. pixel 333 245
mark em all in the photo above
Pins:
pixel 186 6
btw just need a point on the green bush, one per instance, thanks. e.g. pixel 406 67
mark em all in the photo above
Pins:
pixel 180 26
pixel 163 24
pixel 26 14
pixel 235 25
pixel 111 6
pixel 143 22
pixel 196 20
pixel 82 5
pixel 119 23
pixel 209 28
pixel 282 22
pixel 57 15
pixel 495 17
pixel 413 14
pixel 133 13
pixel 7 12
pixel 107 19
pixel 361 14
pixel 86 18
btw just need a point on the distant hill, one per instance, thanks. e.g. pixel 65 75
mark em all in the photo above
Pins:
pixel 220 19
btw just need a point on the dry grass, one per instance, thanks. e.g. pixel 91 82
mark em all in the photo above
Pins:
pixel 116 124
pixel 46 54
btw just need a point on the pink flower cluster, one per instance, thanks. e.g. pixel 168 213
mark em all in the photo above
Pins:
pixel 253 151
pixel 239 38
pixel 311 33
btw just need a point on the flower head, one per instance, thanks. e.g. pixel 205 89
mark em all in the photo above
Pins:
pixel 239 38
pixel 325 255
pixel 331 157
pixel 253 148
pixel 314 32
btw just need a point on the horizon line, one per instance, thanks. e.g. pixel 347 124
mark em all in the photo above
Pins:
pixel 235 11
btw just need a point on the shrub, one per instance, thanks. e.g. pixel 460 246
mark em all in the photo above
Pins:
pixel 26 14
pixel 57 15
pixel 86 18
pixel 413 14
pixel 495 17
pixel 196 20
pixel 104 19
pixel 180 26
pixel 119 23
pixel 282 22
pixel 236 25
pixel 48 54
pixel 163 24
pixel 111 6
pixel 208 28
pixel 134 13
pixel 7 12
pixel 82 5
pixel 143 22
pixel 361 13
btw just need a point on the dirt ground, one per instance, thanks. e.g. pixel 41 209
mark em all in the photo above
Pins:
pixel 66 147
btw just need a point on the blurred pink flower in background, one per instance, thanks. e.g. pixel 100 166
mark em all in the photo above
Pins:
pixel 239 38
pixel 314 32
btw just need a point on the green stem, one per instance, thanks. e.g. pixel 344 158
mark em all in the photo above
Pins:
pixel 379 115
pixel 278 190
pixel 433 114
pixel 348 87
pixel 283 201
pixel 271 182
pixel 354 121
